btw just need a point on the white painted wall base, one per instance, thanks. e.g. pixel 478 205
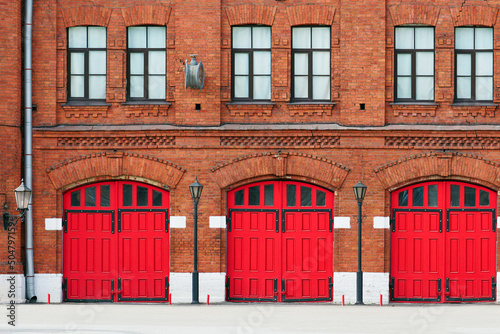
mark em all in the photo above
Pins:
pixel 13 285
pixel 212 284
pixel 46 284
pixel 374 285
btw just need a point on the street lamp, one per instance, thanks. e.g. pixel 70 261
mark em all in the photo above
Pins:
pixel 359 192
pixel 195 189
pixel 23 195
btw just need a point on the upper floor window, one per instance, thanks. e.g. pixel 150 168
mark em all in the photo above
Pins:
pixel 414 64
pixel 87 63
pixel 473 64
pixel 147 58
pixel 251 63
pixel 311 63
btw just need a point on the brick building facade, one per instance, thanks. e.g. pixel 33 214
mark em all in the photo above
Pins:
pixel 369 126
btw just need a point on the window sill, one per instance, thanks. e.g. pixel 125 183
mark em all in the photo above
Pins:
pixel 146 103
pixel 85 109
pixel 251 108
pixel 464 109
pixel 146 108
pixel 414 108
pixel 309 108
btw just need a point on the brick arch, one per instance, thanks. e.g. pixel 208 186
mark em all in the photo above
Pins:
pixel 439 165
pixel 299 166
pixel 86 16
pixel 114 165
pixel 251 14
pixel 474 15
pixel 414 14
pixel 310 14
pixel 146 15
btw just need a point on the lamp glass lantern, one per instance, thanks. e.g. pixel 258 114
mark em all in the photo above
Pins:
pixel 360 191
pixel 23 195
pixel 196 189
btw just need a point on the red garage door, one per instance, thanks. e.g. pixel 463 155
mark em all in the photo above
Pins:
pixel 116 243
pixel 443 243
pixel 280 243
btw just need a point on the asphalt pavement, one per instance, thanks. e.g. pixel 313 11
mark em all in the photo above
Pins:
pixel 229 318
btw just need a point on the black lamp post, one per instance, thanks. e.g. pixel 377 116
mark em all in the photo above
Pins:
pixel 23 195
pixel 359 192
pixel 195 189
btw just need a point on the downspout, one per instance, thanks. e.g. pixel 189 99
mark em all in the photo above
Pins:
pixel 28 164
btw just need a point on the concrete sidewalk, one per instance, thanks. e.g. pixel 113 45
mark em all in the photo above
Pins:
pixel 228 318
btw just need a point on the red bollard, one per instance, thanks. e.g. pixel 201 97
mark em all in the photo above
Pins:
pixel 381 300
pixel 170 299
pixel 48 298
pixel 208 299
pixel 343 300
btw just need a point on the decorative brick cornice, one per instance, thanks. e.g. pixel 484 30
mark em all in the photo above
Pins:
pixel 414 14
pixel 280 165
pixel 439 165
pixel 440 142
pixel 474 15
pixel 280 141
pixel 250 14
pixel 146 14
pixel 310 14
pixel 85 111
pixel 86 15
pixel 114 165
pixel 149 141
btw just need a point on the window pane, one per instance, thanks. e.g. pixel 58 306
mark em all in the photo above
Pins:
pixel 432 195
pixel 455 195
pixel 77 37
pixel 156 37
pixel 321 63
pixel 142 196
pixel 404 64
pixel 320 198
pixel 291 195
pixel 484 38
pixel 484 88
pixel 301 38
pixel 321 88
pixel 404 88
pixel 77 86
pixel 241 64
pixel 254 195
pixel 137 86
pixel 262 62
pixel 463 88
pixel 156 62
pixel 157 198
pixel 404 38
pixel 262 87
pixel 301 64
pixel 269 195
pixel 305 196
pixel 424 38
pixel 321 38
pixel 403 198
pixel 127 195
pixel 77 63
pixel 156 86
pixel 464 38
pixel 484 63
pixel 464 64
pixel 97 87
pixel 137 63
pixel 75 198
pixel 241 86
pixel 425 63
pixel 300 88
pixel 97 62
pixel 425 88
pixel 242 37
pixel 105 196
pixel 418 196
pixel 90 196
pixel 261 37
pixel 484 198
pixel 137 37
pixel 239 197
pixel 97 37
pixel 469 196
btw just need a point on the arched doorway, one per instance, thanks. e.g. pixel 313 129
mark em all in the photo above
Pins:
pixel 443 243
pixel 280 242
pixel 116 243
